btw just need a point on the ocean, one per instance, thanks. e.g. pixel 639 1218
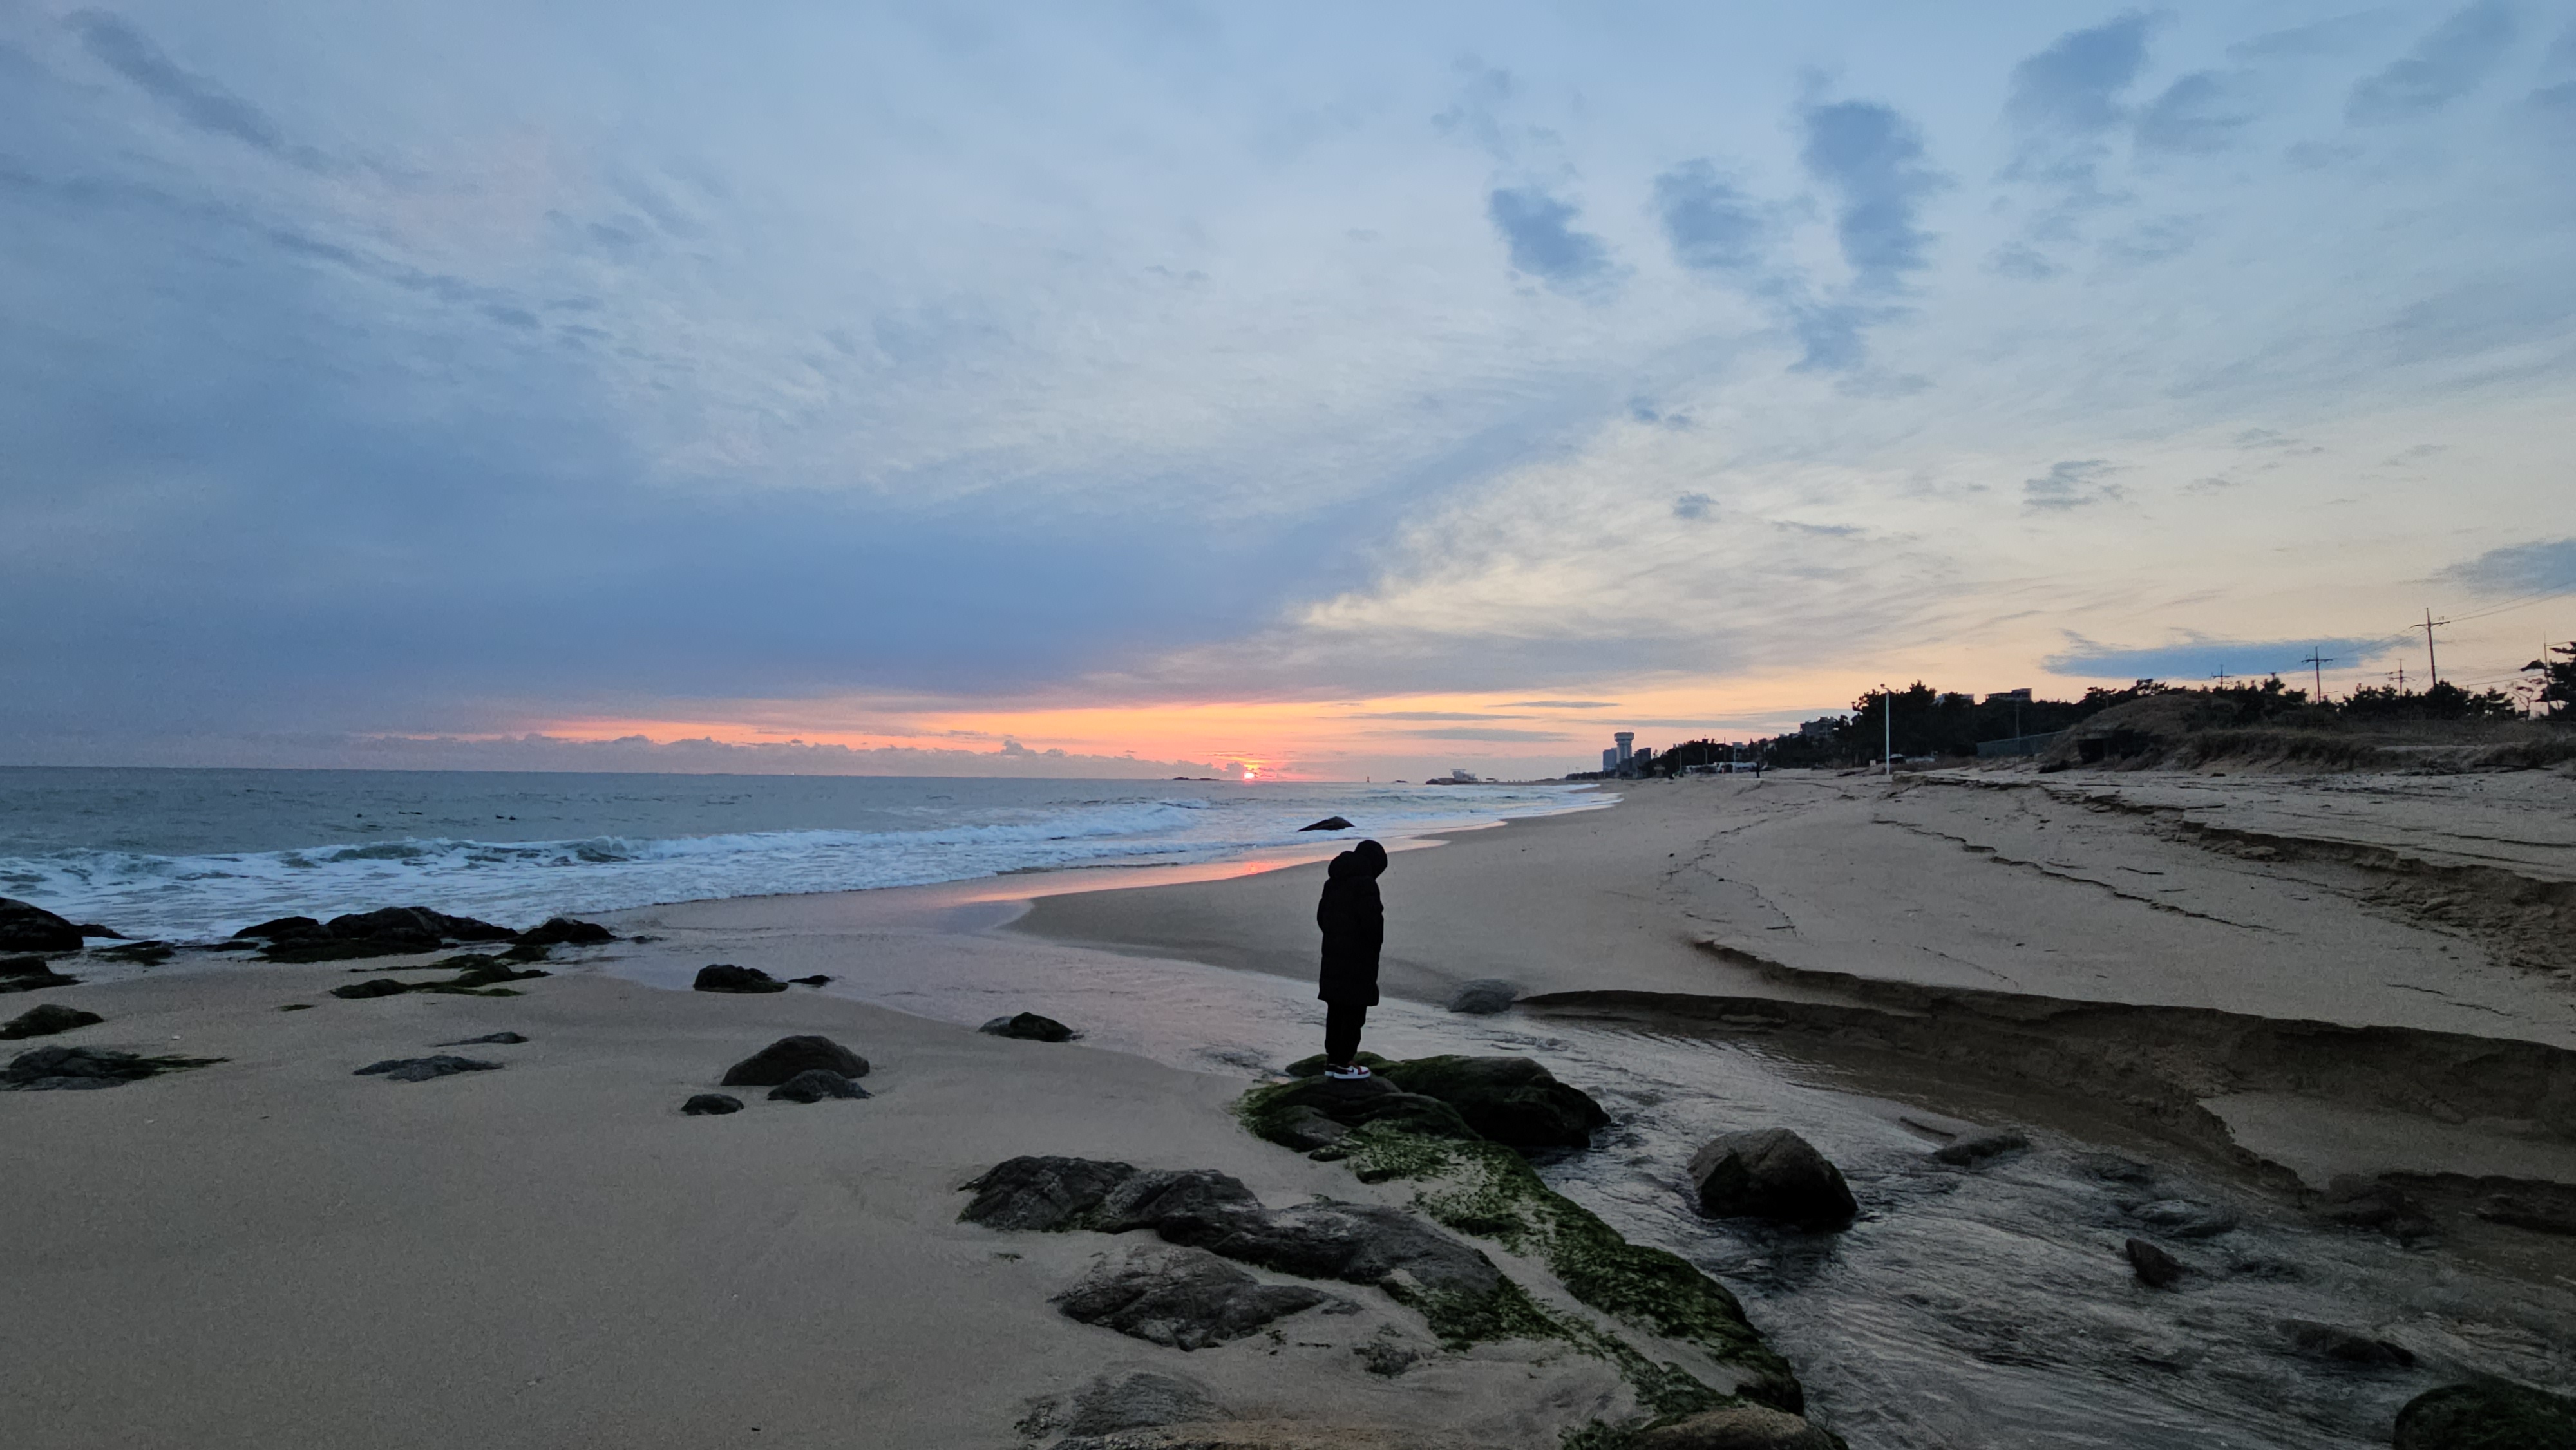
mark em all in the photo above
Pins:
pixel 189 854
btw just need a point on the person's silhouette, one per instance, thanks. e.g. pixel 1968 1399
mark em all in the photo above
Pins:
pixel 1354 925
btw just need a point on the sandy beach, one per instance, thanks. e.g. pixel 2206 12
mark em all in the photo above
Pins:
pixel 273 1250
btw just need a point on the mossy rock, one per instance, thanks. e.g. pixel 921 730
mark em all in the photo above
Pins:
pixel 2486 1415
pixel 1510 1100
pixel 1283 1113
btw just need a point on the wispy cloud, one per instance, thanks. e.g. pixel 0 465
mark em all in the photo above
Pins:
pixel 2519 568
pixel 1539 231
pixel 195 99
pixel 2448 63
pixel 2198 657
pixel 2074 483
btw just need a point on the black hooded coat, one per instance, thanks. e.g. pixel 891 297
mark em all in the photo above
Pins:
pixel 1354 923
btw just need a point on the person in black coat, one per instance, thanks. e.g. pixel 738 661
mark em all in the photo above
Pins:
pixel 1354 925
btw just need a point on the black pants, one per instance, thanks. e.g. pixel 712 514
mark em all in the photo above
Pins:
pixel 1342 1022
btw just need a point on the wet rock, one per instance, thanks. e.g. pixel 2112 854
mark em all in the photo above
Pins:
pixel 815 1084
pixel 1354 1243
pixel 726 977
pixel 31 974
pixel 144 953
pixel 1328 823
pixel 708 1105
pixel 1042 1192
pixel 564 931
pixel 504 1039
pixel 816 980
pixel 1304 1129
pixel 2486 1415
pixel 415 921
pixel 27 927
pixel 75 1068
pixel 2344 1346
pixel 2154 1267
pixel 2357 1202
pixel 528 952
pixel 2184 1219
pixel 422 1069
pixel 1157 1195
pixel 1739 1427
pixel 91 928
pixel 1179 1297
pixel 1976 1148
pixel 1029 1027
pixel 1484 996
pixel 2539 1208
pixel 775 1064
pixel 475 971
pixel 372 987
pixel 1509 1100
pixel 47 1020
pixel 284 926
pixel 24 967
pixel 1353 1105
pixel 1139 1400
pixel 1774 1175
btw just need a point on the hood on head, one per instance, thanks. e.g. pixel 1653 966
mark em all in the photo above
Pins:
pixel 1371 857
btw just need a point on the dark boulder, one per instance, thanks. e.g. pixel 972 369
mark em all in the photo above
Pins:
pixel 475 971
pixel 27 927
pixel 775 1064
pixel 816 980
pixel 1484 996
pixel 726 977
pixel 1328 823
pixel 47 1020
pixel 1028 1027
pixel 1510 1100
pixel 145 953
pixel 371 987
pixel 30 974
pixel 1303 1128
pixel 1355 1243
pixel 707 1105
pixel 2154 1267
pixel 324 947
pixel 499 1039
pixel 815 1084
pixel 1180 1298
pixel 24 967
pixel 416 921
pixel 2486 1414
pixel 527 951
pixel 2344 1346
pixel 91 928
pixel 422 1069
pixel 284 926
pixel 1739 1427
pixel 1139 1400
pixel 1976 1148
pixel 564 931
pixel 75 1068
pixel 1283 1114
pixel 1042 1193
pixel 1155 1196
pixel 1774 1175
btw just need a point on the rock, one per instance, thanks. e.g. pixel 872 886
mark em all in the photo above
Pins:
pixel 707 1105
pixel 1158 1195
pixel 1771 1174
pixel 1739 1427
pixel 2325 1341
pixel 775 1064
pixel 816 980
pixel 815 1084
pixel 2486 1415
pixel 1043 1193
pixel 505 1039
pixel 1355 1243
pixel 1352 1105
pixel 1137 1401
pixel 1976 1148
pixel 31 974
pixel 422 1069
pixel 527 951
pixel 474 971
pixel 47 1020
pixel 564 931
pixel 1028 1026
pixel 1387 1355
pixel 1328 823
pixel 146 953
pixel 372 987
pixel 91 928
pixel 2154 1267
pixel 324 947
pixel 27 927
pixel 1484 996
pixel 284 926
pixel 2183 1218
pixel 1304 1129
pixel 75 1068
pixel 416 921
pixel 2358 1202
pixel 1179 1297
pixel 726 977
pixel 1510 1100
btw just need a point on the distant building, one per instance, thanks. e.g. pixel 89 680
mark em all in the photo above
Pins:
pixel 2010 697
pixel 1814 729
pixel 1627 744
pixel 1609 760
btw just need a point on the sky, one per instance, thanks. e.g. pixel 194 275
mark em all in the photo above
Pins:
pixel 1325 391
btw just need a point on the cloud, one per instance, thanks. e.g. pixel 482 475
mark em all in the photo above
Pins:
pixel 631 753
pixel 1430 715
pixel 2198 657
pixel 2023 261
pixel 1465 732
pixel 2073 87
pixel 2519 568
pixel 1872 159
pixel 194 99
pixel 2445 65
pixel 2321 37
pixel 1539 230
pixel 1712 224
pixel 1563 704
pixel 1693 506
pixel 2200 114
pixel 2072 484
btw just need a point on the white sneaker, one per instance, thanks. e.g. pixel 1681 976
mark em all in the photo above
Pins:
pixel 1352 1073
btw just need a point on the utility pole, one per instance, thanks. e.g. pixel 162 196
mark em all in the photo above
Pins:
pixel 2430 624
pixel 2317 664
pixel 1887 718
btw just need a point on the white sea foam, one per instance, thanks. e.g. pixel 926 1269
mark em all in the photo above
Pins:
pixel 519 882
